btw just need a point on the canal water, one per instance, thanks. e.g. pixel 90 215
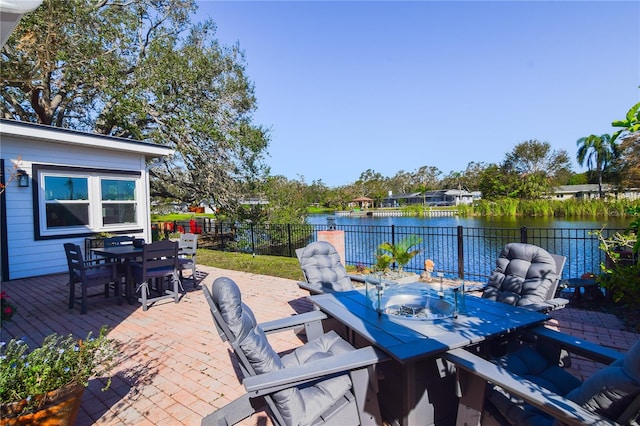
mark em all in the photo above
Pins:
pixel 476 222
pixel 568 237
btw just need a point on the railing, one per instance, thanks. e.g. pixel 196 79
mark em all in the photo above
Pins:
pixel 456 251
pixel 471 252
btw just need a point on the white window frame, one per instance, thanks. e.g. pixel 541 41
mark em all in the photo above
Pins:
pixel 95 177
pixel 103 202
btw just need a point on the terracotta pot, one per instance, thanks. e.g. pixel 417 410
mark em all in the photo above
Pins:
pixel 60 409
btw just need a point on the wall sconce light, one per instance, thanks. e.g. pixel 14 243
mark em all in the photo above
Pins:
pixel 23 178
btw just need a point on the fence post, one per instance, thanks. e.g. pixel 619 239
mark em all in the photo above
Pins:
pixel 290 243
pixel 393 235
pixel 393 239
pixel 222 235
pixel 523 234
pixel 460 252
pixel 253 240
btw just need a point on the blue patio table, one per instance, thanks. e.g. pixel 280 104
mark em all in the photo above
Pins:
pixel 417 385
pixel 123 253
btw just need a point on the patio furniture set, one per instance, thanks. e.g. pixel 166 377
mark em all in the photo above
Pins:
pixel 490 360
pixel 129 266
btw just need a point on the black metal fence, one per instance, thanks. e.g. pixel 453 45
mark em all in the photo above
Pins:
pixel 466 252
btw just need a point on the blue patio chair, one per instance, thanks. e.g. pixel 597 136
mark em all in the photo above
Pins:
pixel 324 381
pixel 323 272
pixel 529 388
pixel 159 262
pixel 89 273
pixel 526 275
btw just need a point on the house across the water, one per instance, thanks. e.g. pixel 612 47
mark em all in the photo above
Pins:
pixel 441 197
pixel 590 191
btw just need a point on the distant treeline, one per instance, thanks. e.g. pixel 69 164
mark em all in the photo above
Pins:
pixel 549 208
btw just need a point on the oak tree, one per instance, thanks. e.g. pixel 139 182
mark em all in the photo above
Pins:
pixel 140 69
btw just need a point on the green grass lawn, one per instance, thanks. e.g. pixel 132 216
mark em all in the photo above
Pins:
pixel 275 266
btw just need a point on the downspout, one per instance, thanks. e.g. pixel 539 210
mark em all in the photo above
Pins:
pixel 147 197
pixel 4 252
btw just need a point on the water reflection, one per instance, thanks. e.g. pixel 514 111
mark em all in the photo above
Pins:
pixel 568 237
pixel 479 222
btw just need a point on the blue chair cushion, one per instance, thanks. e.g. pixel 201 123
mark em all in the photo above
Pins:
pixel 321 264
pixel 298 406
pixel 530 364
pixel 151 272
pixel 523 275
pixel 96 274
pixel 609 391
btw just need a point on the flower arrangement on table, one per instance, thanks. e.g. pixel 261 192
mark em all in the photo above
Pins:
pixel 7 308
pixel 28 379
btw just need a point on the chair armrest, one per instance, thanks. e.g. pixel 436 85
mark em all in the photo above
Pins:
pixel 548 305
pixel 310 288
pixel 274 381
pixel 475 287
pixel 551 403
pixel 558 302
pixel 292 322
pixel 356 278
pixel 576 345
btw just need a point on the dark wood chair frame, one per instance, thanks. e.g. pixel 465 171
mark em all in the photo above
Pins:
pixel 87 273
pixel 159 262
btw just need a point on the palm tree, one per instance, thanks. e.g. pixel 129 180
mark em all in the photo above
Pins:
pixel 630 125
pixel 400 252
pixel 599 152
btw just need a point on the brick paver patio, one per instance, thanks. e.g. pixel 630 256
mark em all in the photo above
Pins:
pixel 174 369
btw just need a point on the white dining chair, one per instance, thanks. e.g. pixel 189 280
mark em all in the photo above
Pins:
pixel 187 248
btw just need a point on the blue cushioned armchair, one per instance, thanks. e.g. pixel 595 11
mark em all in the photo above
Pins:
pixel 322 269
pixel 528 387
pixel 526 275
pixel 325 381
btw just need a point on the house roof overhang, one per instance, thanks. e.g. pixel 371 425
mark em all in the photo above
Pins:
pixel 11 12
pixel 69 137
pixel 457 192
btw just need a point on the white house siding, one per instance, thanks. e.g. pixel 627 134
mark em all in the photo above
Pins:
pixel 28 257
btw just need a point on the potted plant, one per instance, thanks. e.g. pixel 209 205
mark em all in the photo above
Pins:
pixel 383 261
pixel 6 307
pixel 46 384
pixel 400 253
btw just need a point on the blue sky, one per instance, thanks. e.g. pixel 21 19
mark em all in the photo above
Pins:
pixel 390 86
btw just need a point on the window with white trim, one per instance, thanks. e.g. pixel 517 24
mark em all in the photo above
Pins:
pixel 79 201
pixel 118 201
pixel 66 201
